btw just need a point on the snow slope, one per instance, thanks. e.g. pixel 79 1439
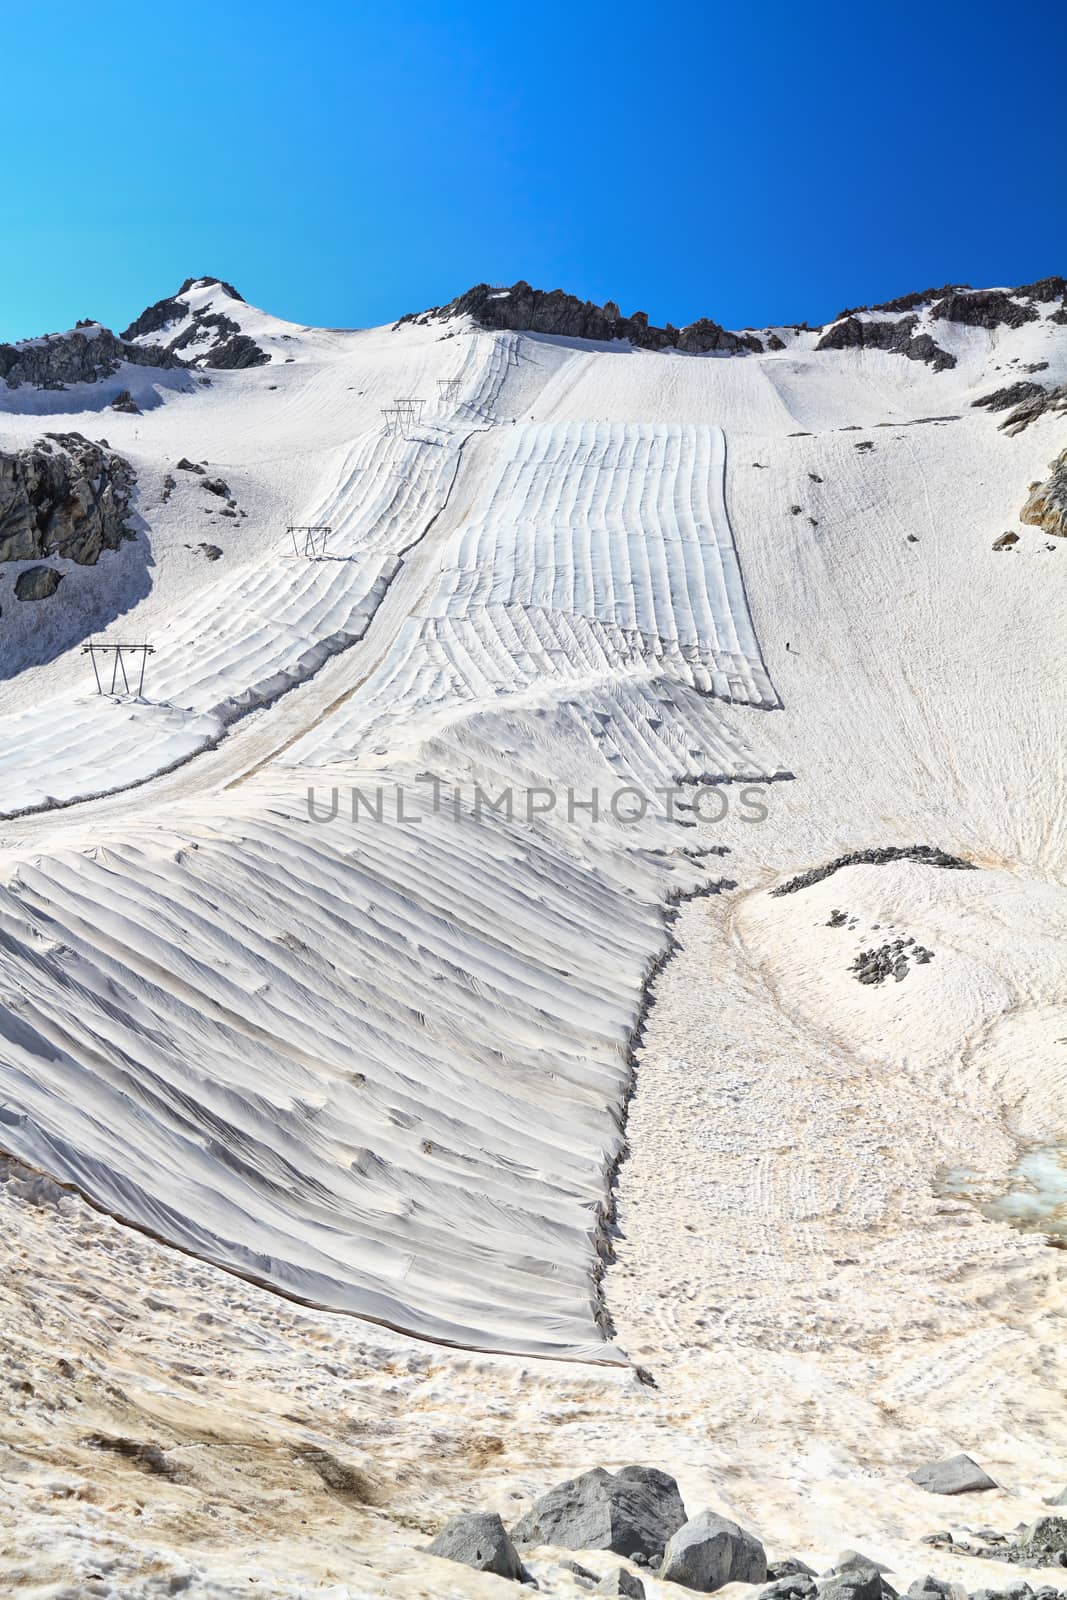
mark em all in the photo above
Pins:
pixel 383 1066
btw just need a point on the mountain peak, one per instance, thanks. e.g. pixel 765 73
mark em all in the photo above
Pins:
pixel 192 325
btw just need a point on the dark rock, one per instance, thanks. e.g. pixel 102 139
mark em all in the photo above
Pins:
pixel 855 1583
pixel 1012 395
pixel 954 1475
pixel 1046 506
pixel 125 402
pixel 1050 401
pixel 791 1567
pixel 1043 291
pixel 211 551
pixel 216 486
pixel 931 1588
pixel 185 465
pixel 1005 541
pixel 619 1581
pixel 149 1457
pixel 84 355
pixel 983 308
pixel 797 1586
pixel 928 855
pixel 899 338
pixel 525 309
pixel 710 1551
pixel 636 1509
pixel 478 1539
pixel 578 1570
pixel 37 583
pixel 348 1482
pixel 920 297
pixel 63 496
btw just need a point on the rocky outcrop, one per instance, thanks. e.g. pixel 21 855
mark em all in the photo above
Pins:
pixel 631 1512
pixel 63 496
pixel 927 855
pixel 84 355
pixel 524 309
pixel 1044 290
pixel 983 308
pixel 202 338
pixel 954 1475
pixel 710 1552
pixel 919 297
pixel 1013 394
pixel 1046 401
pixel 987 308
pixel 1047 505
pixel 898 337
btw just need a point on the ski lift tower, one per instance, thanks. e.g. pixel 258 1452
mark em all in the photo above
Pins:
pixel 313 537
pixel 123 656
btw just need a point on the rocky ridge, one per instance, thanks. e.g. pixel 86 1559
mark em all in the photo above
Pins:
pixel 524 309
pixel 84 355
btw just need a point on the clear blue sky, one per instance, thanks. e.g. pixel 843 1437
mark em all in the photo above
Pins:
pixel 342 163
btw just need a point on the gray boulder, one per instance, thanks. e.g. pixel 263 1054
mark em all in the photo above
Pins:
pixel 619 1581
pixel 1058 1499
pixel 1047 1533
pixel 793 1586
pixel 954 1475
pixel 479 1539
pixel 931 1588
pixel 634 1510
pixel 710 1551
pixel 37 583
pixel 855 1583
pixel 851 1561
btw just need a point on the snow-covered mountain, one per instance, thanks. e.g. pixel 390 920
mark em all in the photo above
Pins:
pixel 616 631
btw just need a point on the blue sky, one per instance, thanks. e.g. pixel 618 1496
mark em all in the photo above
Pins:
pixel 342 163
